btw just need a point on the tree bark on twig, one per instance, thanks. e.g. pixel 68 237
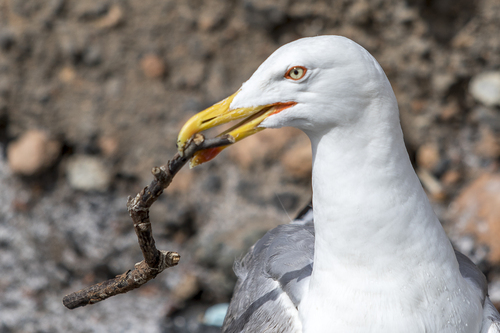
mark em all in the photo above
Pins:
pixel 155 261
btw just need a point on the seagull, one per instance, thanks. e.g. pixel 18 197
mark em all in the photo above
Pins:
pixel 370 255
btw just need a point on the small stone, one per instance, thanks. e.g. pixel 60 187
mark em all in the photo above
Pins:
pixel 485 88
pixel 108 146
pixel 298 160
pixel 442 82
pixel 450 177
pixel 113 18
pixel 152 66
pixel 87 173
pixel 477 213
pixel 428 156
pixel 67 74
pixel 33 152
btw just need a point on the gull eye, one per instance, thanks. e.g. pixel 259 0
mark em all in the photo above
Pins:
pixel 296 73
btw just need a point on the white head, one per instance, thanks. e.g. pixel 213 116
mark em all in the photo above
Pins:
pixel 315 84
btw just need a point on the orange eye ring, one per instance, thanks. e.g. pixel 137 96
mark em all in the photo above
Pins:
pixel 296 73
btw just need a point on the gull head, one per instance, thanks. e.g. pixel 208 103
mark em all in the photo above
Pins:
pixel 315 84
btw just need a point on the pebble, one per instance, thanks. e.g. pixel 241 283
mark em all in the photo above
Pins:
pixel 485 88
pixel 152 66
pixel 428 156
pixel 214 316
pixel 32 153
pixel 113 18
pixel 476 212
pixel 108 145
pixel 451 177
pixel 88 173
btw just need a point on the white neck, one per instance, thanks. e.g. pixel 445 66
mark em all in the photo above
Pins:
pixel 375 229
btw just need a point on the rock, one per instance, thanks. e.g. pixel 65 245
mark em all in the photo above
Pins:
pixel 214 316
pixel 298 159
pixel 33 152
pixel 428 156
pixel 211 16
pixel 441 83
pixel 152 66
pixel 113 18
pixel 108 145
pixel 67 74
pixel 477 213
pixel 451 177
pixel 88 173
pixel 485 88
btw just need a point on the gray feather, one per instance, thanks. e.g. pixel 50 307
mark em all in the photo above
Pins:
pixel 279 264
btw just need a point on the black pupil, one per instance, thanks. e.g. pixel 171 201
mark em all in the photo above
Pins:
pixel 296 72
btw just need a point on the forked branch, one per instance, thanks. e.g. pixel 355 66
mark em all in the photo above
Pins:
pixel 155 261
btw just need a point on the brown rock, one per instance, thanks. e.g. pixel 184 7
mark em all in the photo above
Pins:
pixel 152 66
pixel 108 146
pixel 428 156
pixel 33 152
pixel 477 212
pixel 298 159
pixel 258 147
pixel 67 74
pixel 112 18
pixel 450 177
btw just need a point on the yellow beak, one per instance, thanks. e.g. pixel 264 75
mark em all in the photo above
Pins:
pixel 219 114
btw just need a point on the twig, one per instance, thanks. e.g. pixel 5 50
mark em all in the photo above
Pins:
pixel 155 261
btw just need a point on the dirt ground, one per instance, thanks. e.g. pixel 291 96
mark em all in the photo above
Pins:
pixel 94 92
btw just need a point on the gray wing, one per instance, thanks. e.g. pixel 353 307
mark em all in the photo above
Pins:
pixel 272 279
pixel 472 274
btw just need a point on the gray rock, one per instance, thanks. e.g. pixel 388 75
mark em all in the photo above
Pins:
pixel 485 88
pixel 88 173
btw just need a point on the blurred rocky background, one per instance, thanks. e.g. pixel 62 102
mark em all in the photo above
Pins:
pixel 93 94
